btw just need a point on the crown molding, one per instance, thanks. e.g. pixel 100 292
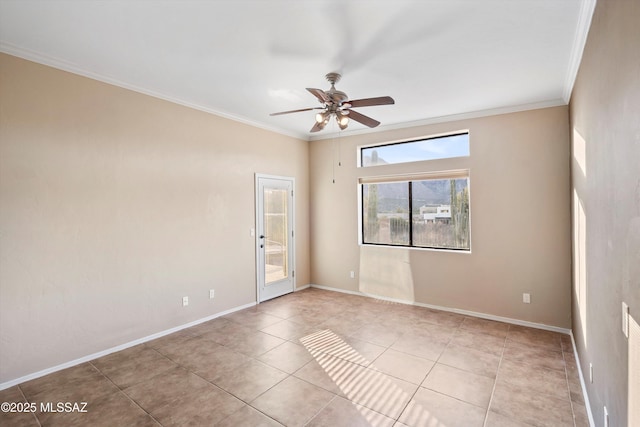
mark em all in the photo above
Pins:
pixel 444 119
pixel 579 42
pixel 40 58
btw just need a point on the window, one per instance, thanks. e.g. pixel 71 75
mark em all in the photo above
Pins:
pixel 424 209
pixel 428 213
pixel 441 147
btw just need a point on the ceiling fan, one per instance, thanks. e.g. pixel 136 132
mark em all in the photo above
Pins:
pixel 336 103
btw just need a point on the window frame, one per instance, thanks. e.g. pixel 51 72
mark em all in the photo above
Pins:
pixel 409 181
pixel 362 148
pixel 419 170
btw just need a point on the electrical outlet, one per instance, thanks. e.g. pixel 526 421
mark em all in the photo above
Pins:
pixel 212 293
pixel 352 274
pixel 606 417
pixel 526 298
pixel 185 301
pixel 625 319
pixel 591 373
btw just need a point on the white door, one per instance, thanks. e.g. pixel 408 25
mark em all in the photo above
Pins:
pixel 274 236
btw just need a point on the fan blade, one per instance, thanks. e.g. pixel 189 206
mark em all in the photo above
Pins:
pixel 319 93
pixel 296 111
pixel 367 121
pixel 370 102
pixel 317 127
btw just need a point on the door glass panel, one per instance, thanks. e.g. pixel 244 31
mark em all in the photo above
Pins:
pixel 276 234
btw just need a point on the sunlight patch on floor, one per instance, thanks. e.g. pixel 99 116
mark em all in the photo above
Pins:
pixel 360 385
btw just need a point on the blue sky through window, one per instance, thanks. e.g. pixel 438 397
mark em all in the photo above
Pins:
pixel 426 149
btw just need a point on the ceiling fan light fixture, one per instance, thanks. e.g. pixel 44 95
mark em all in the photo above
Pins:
pixel 320 117
pixel 343 121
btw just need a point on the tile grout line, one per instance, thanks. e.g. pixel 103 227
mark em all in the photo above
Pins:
pixel 123 392
pixel 495 382
pixel 566 375
pixel 431 369
pixel 335 396
pixel 27 400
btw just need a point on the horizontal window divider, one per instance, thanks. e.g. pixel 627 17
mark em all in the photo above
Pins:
pixel 451 174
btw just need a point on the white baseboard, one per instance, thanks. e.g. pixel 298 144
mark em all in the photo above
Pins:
pixel 454 310
pixel 583 384
pixel 302 288
pixel 121 347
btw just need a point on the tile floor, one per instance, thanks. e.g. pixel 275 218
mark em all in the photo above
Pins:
pixel 321 358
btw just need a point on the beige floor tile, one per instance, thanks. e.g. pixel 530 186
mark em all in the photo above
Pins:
pixel 489 327
pixel 309 317
pixel 365 352
pixel 426 347
pixel 284 310
pixel 254 344
pixel 350 349
pixel 330 373
pixel 421 330
pixel 343 325
pixel 536 380
pixel 404 366
pixel 220 362
pixel 575 392
pixel 253 319
pixel 581 418
pixel 428 408
pixel 228 333
pixel 115 409
pixel 343 413
pixel 192 354
pixel 250 380
pixel 133 365
pixel 462 385
pixel 479 341
pixel 82 383
pixel 179 397
pixel 442 318
pixel 172 339
pixel 250 417
pixel 379 392
pixel 288 357
pixel 497 420
pixel 536 337
pixel 379 334
pixel 371 353
pixel 209 326
pixel 293 402
pixel 567 344
pixel 527 406
pixel 535 356
pixel 16 418
pixel 289 330
pixel 471 360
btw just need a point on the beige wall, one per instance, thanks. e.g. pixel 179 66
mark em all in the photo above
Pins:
pixel 115 205
pixel 520 221
pixel 605 121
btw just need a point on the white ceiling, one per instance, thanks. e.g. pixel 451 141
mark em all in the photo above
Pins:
pixel 245 59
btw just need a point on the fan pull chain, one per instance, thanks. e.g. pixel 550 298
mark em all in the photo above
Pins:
pixel 339 148
pixel 333 160
pixel 333 153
